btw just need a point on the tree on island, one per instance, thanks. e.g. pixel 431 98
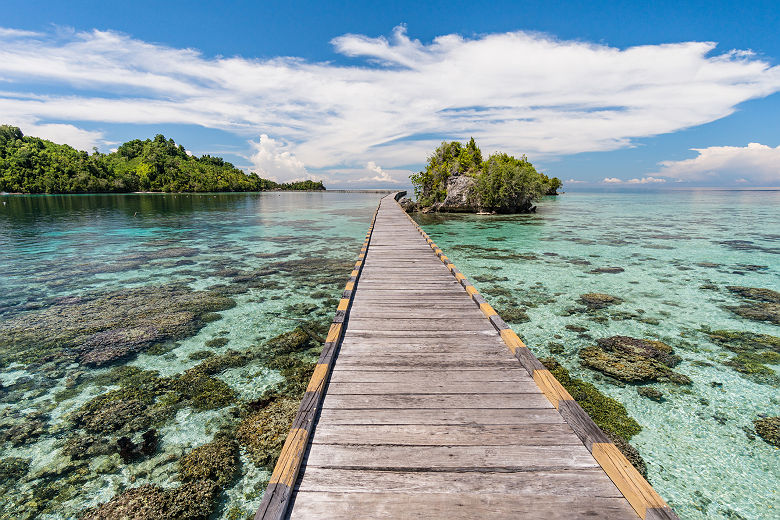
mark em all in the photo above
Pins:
pixel 457 179
pixel 33 165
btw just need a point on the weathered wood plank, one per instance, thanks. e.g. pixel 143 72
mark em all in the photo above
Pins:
pixel 437 435
pixel 439 376
pixel 461 506
pixel 433 387
pixel 519 401
pixel 468 458
pixel 440 416
pixel 556 483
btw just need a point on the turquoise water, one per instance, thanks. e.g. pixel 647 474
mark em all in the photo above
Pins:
pixel 679 251
pixel 282 257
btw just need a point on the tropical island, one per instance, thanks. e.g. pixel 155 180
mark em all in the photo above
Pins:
pixel 34 165
pixel 456 179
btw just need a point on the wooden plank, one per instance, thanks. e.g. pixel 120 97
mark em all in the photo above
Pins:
pixel 423 387
pixel 519 401
pixel 555 483
pixel 440 416
pixel 474 458
pixel 461 506
pixel 437 435
pixel 440 376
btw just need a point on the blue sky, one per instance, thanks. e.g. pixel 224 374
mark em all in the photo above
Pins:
pixel 358 93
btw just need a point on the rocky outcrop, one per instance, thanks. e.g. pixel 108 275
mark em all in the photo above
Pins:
pixel 633 360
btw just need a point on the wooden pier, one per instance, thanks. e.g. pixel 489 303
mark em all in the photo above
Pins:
pixel 425 404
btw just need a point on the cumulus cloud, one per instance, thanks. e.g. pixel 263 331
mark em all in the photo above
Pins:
pixel 272 160
pixel 643 180
pixel 380 175
pixel 518 92
pixel 755 164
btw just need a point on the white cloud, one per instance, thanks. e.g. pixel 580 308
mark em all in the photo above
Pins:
pixel 643 180
pixel 755 164
pixel 60 133
pixel 646 180
pixel 272 160
pixel 574 181
pixel 6 32
pixel 517 92
pixel 380 175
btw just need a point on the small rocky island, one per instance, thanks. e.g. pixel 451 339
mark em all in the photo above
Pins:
pixel 456 179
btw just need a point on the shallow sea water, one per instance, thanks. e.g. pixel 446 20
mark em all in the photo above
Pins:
pixel 54 247
pixel 679 251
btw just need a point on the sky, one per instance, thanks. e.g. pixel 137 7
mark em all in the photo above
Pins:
pixel 604 95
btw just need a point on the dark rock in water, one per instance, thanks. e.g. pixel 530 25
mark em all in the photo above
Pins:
pixel 98 329
pixel 130 451
pixel 633 360
pixel 768 428
pixel 759 304
pixel 610 270
pixel 190 501
pixel 150 441
pixel 650 393
pixel 576 328
pixel 599 300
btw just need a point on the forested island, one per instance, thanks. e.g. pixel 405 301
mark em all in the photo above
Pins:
pixel 34 165
pixel 456 179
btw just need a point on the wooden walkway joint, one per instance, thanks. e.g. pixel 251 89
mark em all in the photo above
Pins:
pixel 419 408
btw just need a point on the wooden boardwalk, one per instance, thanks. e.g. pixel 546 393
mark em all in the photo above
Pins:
pixel 428 414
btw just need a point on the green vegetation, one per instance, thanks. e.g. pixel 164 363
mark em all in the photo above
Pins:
pixel 501 183
pixel 33 165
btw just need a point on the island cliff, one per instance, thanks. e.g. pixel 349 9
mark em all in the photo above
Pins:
pixel 456 179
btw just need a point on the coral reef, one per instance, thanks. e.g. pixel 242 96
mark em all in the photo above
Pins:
pixel 633 360
pixel 216 461
pixel 598 300
pixel 650 393
pixel 99 329
pixel 607 413
pixel 513 314
pixel 768 428
pixel 263 432
pixel 758 304
pixel 753 352
pixel 191 501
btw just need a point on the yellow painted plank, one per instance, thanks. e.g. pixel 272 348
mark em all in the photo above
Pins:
pixel 487 309
pixel 289 460
pixel 333 333
pixel 512 340
pixel 634 487
pixel 551 387
pixel 318 377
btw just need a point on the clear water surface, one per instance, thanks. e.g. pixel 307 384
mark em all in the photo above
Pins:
pixel 680 250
